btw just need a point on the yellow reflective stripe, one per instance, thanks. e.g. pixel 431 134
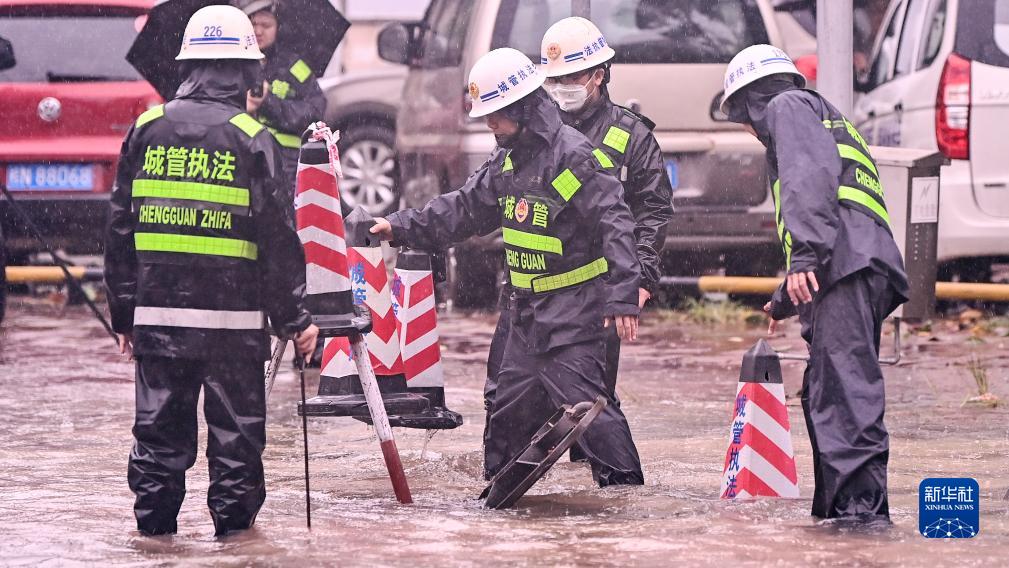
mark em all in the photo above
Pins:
pixel 507 163
pixel 301 71
pixel 532 241
pixel 521 279
pixel 566 184
pixel 603 159
pixel 150 114
pixel 164 242
pixel 574 277
pixel 286 140
pixel 250 126
pixel 546 283
pixel 776 189
pixel 617 138
pixel 851 153
pixel 863 198
pixel 191 191
pixel 786 244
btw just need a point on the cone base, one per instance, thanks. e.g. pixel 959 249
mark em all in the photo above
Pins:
pixel 355 405
pixel 430 419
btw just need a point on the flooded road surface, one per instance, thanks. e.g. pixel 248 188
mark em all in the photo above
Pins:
pixel 66 402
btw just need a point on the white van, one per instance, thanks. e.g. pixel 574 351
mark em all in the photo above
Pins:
pixel 670 63
pixel 939 79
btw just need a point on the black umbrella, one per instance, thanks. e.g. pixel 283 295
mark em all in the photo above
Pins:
pixel 310 28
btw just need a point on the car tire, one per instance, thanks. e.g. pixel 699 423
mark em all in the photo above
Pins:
pixel 370 169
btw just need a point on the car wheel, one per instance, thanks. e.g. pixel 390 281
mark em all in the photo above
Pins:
pixel 370 169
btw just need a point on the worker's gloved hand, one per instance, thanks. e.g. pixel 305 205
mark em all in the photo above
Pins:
pixel 627 326
pixel 304 342
pixel 382 228
pixel 772 326
pixel 126 345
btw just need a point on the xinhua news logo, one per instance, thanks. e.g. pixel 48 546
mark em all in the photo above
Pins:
pixel 948 507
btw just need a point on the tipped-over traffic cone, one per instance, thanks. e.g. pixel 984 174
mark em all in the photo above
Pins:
pixel 760 460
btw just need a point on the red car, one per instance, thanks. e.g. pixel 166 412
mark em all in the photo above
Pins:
pixel 65 105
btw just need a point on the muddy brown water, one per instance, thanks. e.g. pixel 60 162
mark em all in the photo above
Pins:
pixel 66 411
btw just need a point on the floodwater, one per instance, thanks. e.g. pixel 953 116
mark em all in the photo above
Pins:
pixel 66 403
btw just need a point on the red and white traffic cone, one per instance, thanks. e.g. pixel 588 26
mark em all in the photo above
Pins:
pixel 320 227
pixel 760 460
pixel 413 293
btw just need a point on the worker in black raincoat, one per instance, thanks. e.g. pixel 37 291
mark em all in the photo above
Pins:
pixel 198 252
pixel 291 99
pixel 575 58
pixel 845 273
pixel 570 253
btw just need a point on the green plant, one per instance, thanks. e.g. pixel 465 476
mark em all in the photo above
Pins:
pixel 979 372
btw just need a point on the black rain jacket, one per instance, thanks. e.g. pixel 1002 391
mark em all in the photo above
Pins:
pixel 294 100
pixel 639 165
pixel 827 238
pixel 594 222
pixel 203 116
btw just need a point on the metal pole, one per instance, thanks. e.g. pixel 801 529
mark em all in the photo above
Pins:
pixel 581 8
pixel 835 21
pixel 304 430
pixel 271 369
pixel 369 384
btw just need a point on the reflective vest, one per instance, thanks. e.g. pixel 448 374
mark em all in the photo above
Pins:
pixel 282 89
pixel 612 150
pixel 858 186
pixel 193 210
pixel 536 259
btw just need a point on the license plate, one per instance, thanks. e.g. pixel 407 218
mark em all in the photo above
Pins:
pixel 673 171
pixel 45 177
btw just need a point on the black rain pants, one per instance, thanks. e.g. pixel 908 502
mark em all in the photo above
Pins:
pixel 532 386
pixel 843 396
pixel 165 431
pixel 496 354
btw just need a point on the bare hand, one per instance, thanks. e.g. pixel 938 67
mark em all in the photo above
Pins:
pixel 772 325
pixel 627 326
pixel 643 296
pixel 382 228
pixel 798 290
pixel 305 341
pixel 252 103
pixel 126 345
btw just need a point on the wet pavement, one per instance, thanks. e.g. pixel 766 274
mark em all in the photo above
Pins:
pixel 66 401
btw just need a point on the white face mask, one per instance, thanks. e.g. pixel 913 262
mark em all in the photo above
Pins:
pixel 570 98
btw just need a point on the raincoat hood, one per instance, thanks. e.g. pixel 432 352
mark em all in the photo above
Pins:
pixel 749 106
pixel 222 81
pixel 540 119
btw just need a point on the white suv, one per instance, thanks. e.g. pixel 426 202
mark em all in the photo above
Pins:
pixel 939 79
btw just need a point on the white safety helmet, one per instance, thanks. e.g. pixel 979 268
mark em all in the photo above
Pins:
pixel 571 45
pixel 219 32
pixel 756 62
pixel 500 78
